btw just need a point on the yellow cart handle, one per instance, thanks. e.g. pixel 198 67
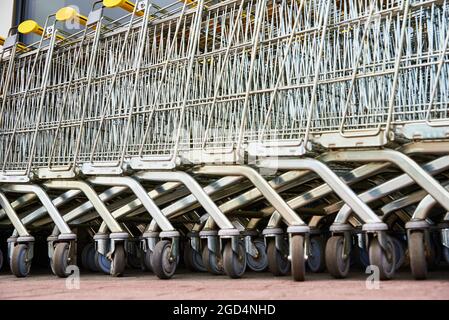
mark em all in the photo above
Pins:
pixel 20 46
pixel 31 26
pixel 124 4
pixel 70 14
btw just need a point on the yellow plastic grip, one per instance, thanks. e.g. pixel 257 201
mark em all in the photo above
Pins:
pixel 124 4
pixel 31 26
pixel 70 14
pixel 20 46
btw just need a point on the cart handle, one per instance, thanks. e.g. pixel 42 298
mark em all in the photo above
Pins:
pixel 69 13
pixel 124 4
pixel 31 26
pixel 20 46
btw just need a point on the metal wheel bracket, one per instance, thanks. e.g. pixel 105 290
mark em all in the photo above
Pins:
pixel 101 244
pixel 51 241
pixel 307 247
pixel 281 246
pixel 250 248
pixel 382 237
pixel 347 246
pixel 174 252
pixel 11 244
pixel 214 244
pixel 195 243
pixel 445 237
pixel 148 243
pixel 235 244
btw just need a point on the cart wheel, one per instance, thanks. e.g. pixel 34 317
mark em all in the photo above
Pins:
pixel 336 264
pixel 102 263
pixel 118 263
pixel 234 263
pixel 298 260
pixel 20 266
pixel 385 261
pixel 259 263
pixel 417 253
pixel 315 261
pixel 163 264
pixel 88 258
pixel 60 260
pixel 399 253
pixel 193 259
pixel 212 262
pixel 278 263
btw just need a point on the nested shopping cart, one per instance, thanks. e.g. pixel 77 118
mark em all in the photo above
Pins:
pixel 206 98
pixel 362 94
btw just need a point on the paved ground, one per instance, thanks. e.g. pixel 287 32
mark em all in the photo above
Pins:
pixel 203 286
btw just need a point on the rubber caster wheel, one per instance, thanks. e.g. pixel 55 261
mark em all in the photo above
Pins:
pixel 20 265
pixel 102 263
pixel 193 259
pixel 88 258
pixel 298 263
pixel 164 266
pixel 336 263
pixel 118 263
pixel 316 261
pixel 260 262
pixel 399 253
pixel 278 263
pixel 212 262
pixel 234 263
pixel 61 260
pixel 385 261
pixel 417 254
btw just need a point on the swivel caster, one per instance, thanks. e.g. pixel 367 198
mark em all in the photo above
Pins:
pixel 20 264
pixel 88 258
pixel 417 252
pixel 118 262
pixel 234 262
pixel 337 262
pixel 193 259
pixel 212 261
pixel 162 261
pixel 316 261
pixel 383 258
pixel 278 263
pixel 61 260
pixel 259 262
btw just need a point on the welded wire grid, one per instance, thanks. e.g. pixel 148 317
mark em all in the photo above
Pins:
pixel 213 77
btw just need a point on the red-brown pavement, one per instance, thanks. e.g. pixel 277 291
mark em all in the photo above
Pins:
pixel 185 285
